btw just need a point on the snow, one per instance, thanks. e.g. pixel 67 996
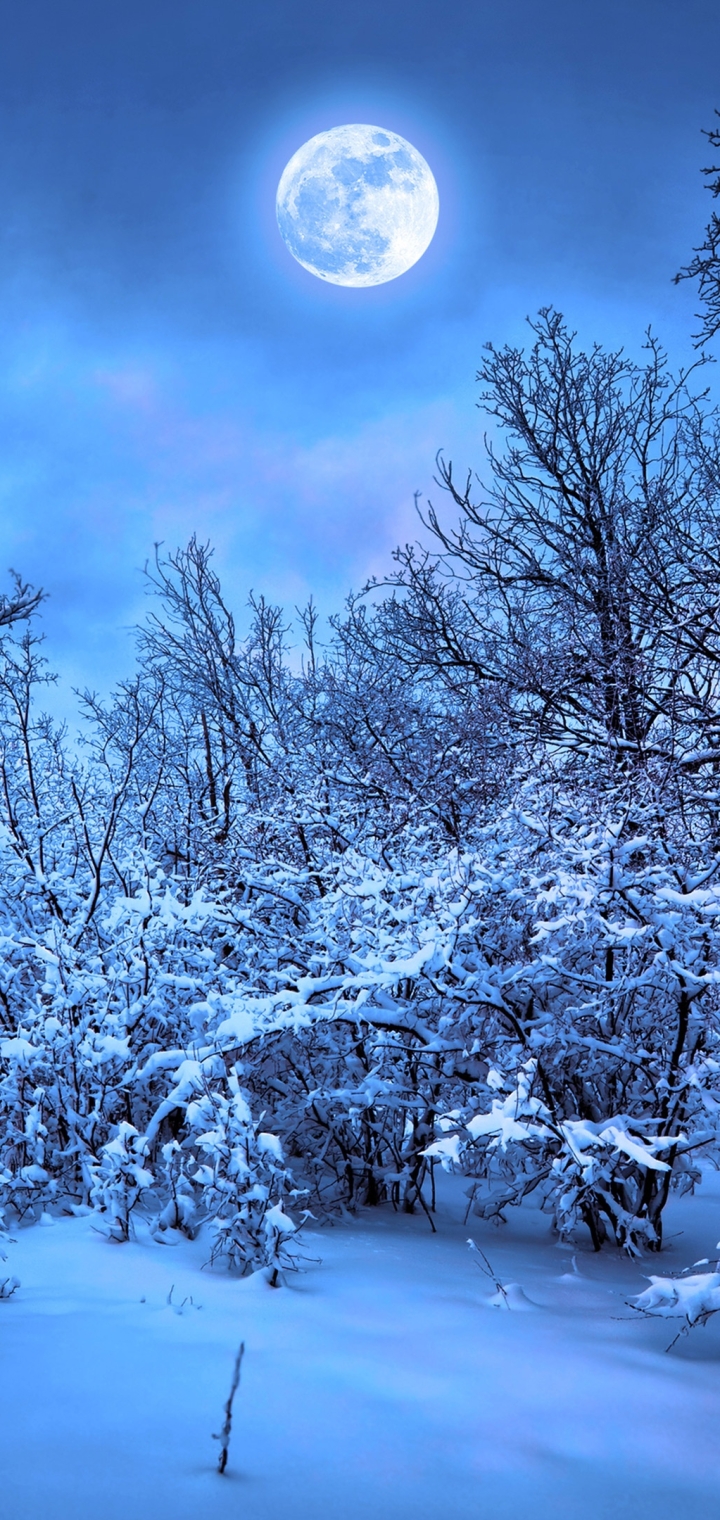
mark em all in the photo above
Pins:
pixel 688 1297
pixel 382 1381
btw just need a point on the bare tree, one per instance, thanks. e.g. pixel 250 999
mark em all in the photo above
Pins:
pixel 705 263
pixel 566 584
pixel 22 602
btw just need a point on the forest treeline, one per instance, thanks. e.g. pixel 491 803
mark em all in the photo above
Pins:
pixel 305 916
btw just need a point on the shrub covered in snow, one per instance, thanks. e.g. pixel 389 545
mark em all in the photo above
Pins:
pixel 693 1298
pixel 119 1181
pixel 443 890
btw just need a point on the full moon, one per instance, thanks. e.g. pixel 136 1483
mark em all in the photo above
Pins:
pixel 357 205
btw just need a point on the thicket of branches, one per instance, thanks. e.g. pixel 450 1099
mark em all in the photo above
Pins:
pixel 704 266
pixel 287 932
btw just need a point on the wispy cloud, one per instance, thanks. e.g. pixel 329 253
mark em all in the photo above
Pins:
pixel 104 455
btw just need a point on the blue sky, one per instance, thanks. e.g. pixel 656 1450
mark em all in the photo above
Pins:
pixel 167 368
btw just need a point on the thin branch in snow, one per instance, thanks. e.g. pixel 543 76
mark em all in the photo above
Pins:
pixel 224 1435
pixel 488 1271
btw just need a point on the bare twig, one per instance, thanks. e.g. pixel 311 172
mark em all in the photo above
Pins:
pixel 489 1272
pixel 224 1435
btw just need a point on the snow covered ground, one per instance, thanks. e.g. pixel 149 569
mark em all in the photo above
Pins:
pixel 378 1384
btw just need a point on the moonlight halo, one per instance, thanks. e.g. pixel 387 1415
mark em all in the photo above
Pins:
pixel 357 205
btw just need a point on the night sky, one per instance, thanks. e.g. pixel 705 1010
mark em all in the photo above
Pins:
pixel 167 368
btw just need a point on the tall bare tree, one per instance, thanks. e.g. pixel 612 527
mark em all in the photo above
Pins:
pixel 704 266
pixel 578 581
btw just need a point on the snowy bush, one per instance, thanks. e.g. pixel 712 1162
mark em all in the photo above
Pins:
pixel 445 888
pixel 240 1178
pixel 587 1172
pixel 180 1209
pixel 120 1179
pixel 693 1298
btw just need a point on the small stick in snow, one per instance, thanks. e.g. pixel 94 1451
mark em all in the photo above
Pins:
pixel 224 1435
pixel 488 1271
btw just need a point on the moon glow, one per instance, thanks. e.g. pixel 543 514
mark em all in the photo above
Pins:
pixel 357 205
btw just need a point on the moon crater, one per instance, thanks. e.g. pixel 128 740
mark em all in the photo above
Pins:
pixel 357 205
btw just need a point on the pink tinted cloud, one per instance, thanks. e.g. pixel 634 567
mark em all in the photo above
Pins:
pixel 291 511
pixel 130 386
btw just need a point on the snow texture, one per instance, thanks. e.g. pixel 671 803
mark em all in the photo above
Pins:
pixel 380 1382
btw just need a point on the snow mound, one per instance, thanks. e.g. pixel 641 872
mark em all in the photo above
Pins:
pixel 510 1296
